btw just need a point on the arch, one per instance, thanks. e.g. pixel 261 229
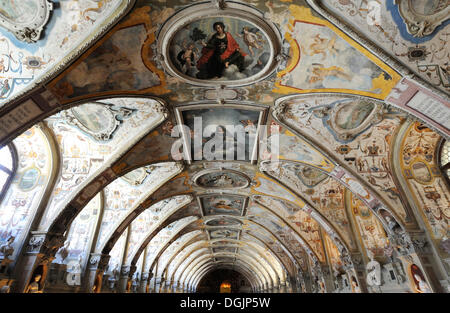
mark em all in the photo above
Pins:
pixel 338 170
pixel 8 167
pixel 182 225
pixel 237 263
pixel 83 140
pixel 268 264
pixel 186 279
pixel 141 208
pixel 262 270
pixel 178 266
pixel 37 167
pixel 240 269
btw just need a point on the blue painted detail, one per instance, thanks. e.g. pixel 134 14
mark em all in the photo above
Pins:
pixel 32 48
pixel 393 8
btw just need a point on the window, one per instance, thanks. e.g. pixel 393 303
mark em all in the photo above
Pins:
pixel 7 168
pixel 445 158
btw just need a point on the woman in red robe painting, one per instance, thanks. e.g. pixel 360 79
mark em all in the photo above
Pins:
pixel 219 53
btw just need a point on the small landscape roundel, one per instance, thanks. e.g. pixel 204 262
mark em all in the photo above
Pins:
pixel 222 179
pixel 94 117
pixel 220 48
pixel 224 221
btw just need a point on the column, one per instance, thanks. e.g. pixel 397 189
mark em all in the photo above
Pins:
pixel 124 278
pixel 38 253
pixel 143 283
pixel 95 272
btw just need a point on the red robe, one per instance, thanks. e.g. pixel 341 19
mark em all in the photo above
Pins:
pixel 232 46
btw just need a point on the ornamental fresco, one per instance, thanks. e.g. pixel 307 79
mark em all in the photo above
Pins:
pixel 425 55
pixel 221 179
pixel 348 153
pixel 116 253
pixel 224 233
pixel 169 254
pixel 72 24
pixel 163 237
pixel 96 73
pixel 121 199
pixel 212 122
pixel 327 196
pixel 324 59
pixel 367 152
pixel 299 221
pixel 82 231
pixel 224 221
pixel 83 154
pixel 424 178
pixel 146 222
pixel 369 228
pixel 28 186
pixel 217 205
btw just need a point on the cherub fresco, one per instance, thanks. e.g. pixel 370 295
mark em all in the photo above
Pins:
pixel 327 61
pixel 251 38
pixel 322 46
pixel 222 205
pixel 188 57
pixel 318 73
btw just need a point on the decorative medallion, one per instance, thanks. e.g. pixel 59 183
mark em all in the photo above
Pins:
pixel 422 17
pixel 348 119
pixel 137 176
pixel 224 221
pixel 97 119
pixel 222 204
pixel 29 179
pixel 206 45
pixel 345 117
pixel 26 18
pixel 224 233
pixel 421 172
pixel 308 175
pixel 221 179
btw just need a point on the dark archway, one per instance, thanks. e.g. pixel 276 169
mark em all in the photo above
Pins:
pixel 211 282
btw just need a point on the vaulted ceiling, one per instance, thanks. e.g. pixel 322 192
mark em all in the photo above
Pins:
pixel 332 96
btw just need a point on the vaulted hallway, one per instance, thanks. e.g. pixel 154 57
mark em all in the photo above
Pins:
pixel 281 146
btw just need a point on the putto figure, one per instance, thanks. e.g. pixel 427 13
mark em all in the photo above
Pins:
pixel 251 38
pixel 219 53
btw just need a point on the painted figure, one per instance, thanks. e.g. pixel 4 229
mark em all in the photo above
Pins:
pixel 251 38
pixel 34 286
pixel 373 268
pixel 219 53
pixel 419 280
pixel 422 286
pixel 7 248
pixel 187 57
pixel 318 72
pixel 322 46
pixel 4 88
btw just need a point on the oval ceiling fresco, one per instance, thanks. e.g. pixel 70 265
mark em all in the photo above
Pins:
pixel 219 48
pixel 235 46
pixel 222 179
